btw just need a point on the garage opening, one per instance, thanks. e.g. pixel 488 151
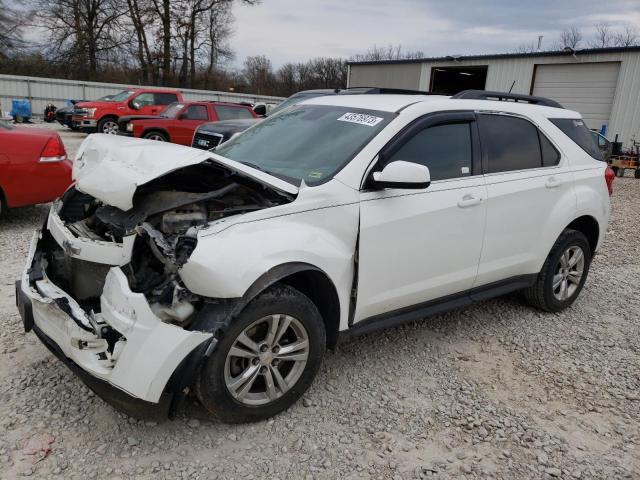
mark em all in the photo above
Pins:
pixel 451 80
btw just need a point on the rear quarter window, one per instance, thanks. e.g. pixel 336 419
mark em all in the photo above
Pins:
pixel 576 130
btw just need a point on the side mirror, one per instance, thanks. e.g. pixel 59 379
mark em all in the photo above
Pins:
pixel 260 109
pixel 401 174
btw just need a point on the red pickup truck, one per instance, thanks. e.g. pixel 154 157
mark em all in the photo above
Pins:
pixel 177 122
pixel 102 116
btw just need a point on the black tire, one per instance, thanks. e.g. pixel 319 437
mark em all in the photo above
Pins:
pixel 156 135
pixel 619 172
pixel 615 170
pixel 211 388
pixel 3 205
pixel 541 293
pixel 636 174
pixel 111 123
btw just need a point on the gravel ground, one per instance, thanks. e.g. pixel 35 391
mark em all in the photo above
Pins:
pixel 497 390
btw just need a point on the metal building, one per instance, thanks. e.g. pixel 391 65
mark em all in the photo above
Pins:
pixel 602 84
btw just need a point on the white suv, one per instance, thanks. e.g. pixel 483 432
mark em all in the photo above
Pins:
pixel 167 269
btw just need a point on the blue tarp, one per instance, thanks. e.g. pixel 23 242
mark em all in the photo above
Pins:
pixel 21 108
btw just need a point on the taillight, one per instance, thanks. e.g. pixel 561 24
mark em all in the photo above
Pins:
pixel 609 175
pixel 53 151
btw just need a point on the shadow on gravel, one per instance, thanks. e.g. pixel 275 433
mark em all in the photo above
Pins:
pixel 394 345
pixel 24 216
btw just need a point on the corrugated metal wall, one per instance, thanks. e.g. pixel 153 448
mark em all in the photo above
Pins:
pixel 391 76
pixel 625 114
pixel 57 91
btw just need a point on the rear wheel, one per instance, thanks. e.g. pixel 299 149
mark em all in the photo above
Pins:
pixel 108 125
pixel 267 358
pixel 620 172
pixel 563 274
pixel 637 173
pixel 157 136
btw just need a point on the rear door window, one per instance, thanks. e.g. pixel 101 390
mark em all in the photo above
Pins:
pixel 577 131
pixel 165 98
pixel 510 143
pixel 196 112
pixel 227 112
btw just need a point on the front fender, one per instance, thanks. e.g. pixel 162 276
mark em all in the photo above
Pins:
pixel 227 264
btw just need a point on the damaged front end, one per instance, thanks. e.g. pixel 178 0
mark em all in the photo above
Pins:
pixel 102 285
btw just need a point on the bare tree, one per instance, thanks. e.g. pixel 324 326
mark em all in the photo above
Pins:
pixel 330 72
pixel 390 52
pixel 526 48
pixel 570 38
pixel 10 34
pixel 218 30
pixel 258 74
pixel 628 37
pixel 82 32
pixel 142 19
pixel 162 9
pixel 603 37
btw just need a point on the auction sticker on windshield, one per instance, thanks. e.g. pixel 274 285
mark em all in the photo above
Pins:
pixel 360 118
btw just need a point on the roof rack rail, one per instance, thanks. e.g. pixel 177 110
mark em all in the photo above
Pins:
pixel 386 90
pixel 505 97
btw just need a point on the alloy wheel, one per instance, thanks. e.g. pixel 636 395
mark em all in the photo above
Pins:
pixel 156 136
pixel 266 360
pixel 110 127
pixel 568 273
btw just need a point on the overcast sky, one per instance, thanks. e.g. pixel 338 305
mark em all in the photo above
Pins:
pixel 294 30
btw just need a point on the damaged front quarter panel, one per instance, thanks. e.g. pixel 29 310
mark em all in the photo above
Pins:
pixel 112 259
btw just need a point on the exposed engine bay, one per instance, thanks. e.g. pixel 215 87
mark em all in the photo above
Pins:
pixel 166 216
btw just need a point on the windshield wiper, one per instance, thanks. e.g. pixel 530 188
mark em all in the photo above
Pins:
pixel 253 165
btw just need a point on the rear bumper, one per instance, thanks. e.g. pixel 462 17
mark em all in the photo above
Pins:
pixel 147 369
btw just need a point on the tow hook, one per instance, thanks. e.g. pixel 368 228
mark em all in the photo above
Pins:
pixel 84 344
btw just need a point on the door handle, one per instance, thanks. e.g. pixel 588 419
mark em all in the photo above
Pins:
pixel 553 182
pixel 469 200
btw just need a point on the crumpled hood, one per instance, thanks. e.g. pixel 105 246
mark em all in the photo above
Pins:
pixel 111 168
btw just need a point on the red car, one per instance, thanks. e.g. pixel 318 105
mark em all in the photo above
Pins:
pixel 33 166
pixel 178 121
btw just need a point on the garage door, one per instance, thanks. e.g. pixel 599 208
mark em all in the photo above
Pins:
pixel 588 88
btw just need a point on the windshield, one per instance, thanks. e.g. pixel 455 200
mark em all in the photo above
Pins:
pixel 171 110
pixel 295 99
pixel 120 97
pixel 307 143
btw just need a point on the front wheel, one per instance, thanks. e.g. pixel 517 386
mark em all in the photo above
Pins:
pixel 108 125
pixel 267 358
pixel 563 274
pixel 157 136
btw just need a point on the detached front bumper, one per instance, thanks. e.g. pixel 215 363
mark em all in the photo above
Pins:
pixel 149 363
